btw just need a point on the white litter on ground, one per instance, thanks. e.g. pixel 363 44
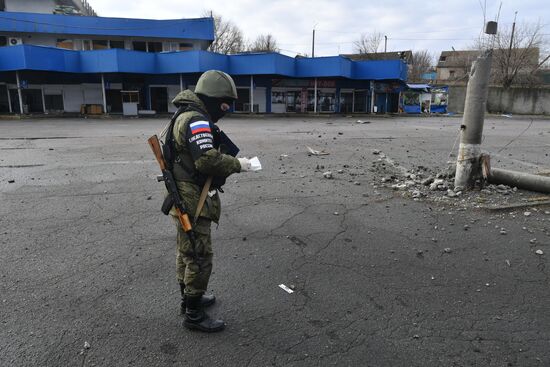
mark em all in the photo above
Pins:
pixel 286 289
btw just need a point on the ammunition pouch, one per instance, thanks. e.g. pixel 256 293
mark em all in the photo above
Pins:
pixel 167 204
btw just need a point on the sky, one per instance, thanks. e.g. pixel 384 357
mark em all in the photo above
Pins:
pixel 409 25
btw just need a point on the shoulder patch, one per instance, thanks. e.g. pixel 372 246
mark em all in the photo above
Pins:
pixel 200 127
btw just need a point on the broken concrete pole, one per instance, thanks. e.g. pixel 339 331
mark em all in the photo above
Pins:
pixel 520 180
pixel 467 163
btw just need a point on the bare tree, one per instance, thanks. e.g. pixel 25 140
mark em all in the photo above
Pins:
pixel 368 43
pixel 517 53
pixel 422 62
pixel 264 43
pixel 228 38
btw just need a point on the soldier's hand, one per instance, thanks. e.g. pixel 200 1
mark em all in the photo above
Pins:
pixel 245 164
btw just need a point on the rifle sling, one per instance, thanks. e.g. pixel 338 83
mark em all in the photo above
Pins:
pixel 202 199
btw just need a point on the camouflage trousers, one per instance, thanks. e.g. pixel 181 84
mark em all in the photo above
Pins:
pixel 194 272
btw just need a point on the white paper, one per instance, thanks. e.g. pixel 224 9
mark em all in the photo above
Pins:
pixel 286 289
pixel 255 164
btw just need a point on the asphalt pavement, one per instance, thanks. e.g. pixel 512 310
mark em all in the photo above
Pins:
pixel 87 260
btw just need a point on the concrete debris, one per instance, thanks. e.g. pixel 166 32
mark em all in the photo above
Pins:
pixel 316 152
pixel 451 194
pixel 327 175
pixel 417 194
pixel 439 184
pixel 447 250
pixel 336 213
pixel 363 122
pixel 508 263
pixel 539 252
pixel 87 345
pixel 527 214
pixel 533 241
pixel 376 152
pixel 503 232
pixel 399 186
pixel 427 181
pixel 357 183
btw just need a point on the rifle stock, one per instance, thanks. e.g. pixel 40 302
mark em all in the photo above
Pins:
pixel 157 151
pixel 168 179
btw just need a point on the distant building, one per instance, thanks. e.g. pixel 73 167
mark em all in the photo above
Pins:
pixel 74 7
pixel 406 56
pixel 453 67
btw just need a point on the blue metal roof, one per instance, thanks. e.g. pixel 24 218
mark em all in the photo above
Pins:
pixel 26 57
pixel 196 29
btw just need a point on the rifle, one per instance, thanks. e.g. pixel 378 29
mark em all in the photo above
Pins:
pixel 170 184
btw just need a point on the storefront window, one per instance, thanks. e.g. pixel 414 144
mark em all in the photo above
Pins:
pixel 64 43
pixel 411 99
pixel 242 104
pixel 117 44
pixel 99 44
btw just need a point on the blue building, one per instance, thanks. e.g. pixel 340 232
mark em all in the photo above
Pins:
pixel 60 63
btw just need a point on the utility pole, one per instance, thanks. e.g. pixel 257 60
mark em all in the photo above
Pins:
pixel 385 43
pixel 511 43
pixel 313 44
pixel 468 166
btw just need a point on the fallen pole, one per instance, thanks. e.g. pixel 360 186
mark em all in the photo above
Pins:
pixel 520 180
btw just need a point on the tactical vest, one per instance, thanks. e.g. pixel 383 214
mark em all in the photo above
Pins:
pixel 183 167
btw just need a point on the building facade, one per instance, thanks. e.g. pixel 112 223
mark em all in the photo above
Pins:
pixel 53 63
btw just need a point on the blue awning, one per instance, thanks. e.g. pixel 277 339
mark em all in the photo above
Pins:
pixel 425 87
pixel 189 29
pixel 27 57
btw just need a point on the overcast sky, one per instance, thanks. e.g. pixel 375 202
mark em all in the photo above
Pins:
pixel 416 25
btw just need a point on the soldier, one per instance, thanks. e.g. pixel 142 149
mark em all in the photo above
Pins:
pixel 196 140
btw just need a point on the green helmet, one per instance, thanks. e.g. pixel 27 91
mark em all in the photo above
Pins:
pixel 216 84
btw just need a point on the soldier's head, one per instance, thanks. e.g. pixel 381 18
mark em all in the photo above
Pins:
pixel 218 92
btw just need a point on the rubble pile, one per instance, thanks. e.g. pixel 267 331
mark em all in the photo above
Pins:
pixel 421 182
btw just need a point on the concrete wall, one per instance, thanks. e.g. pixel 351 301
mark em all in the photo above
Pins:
pixel 523 101
pixel 31 6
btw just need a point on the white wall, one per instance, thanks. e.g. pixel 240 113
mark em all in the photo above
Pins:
pixel 259 98
pixel 92 94
pixel 31 6
pixel 73 97
pixel 173 91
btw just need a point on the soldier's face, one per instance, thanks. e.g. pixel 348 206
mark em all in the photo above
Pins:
pixel 225 107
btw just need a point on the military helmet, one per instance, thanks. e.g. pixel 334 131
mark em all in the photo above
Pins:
pixel 216 84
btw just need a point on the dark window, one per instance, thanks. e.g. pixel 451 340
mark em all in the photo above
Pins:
pixel 3 41
pixel 186 46
pixel 243 102
pixel 452 73
pixel 53 102
pixel 139 46
pixel 99 44
pixel 442 58
pixel 155 47
pixel 117 44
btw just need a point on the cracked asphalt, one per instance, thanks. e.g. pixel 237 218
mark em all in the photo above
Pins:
pixel 87 265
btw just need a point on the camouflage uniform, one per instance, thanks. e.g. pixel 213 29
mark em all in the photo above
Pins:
pixel 198 157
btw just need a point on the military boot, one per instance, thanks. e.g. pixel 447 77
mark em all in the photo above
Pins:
pixel 206 300
pixel 197 319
